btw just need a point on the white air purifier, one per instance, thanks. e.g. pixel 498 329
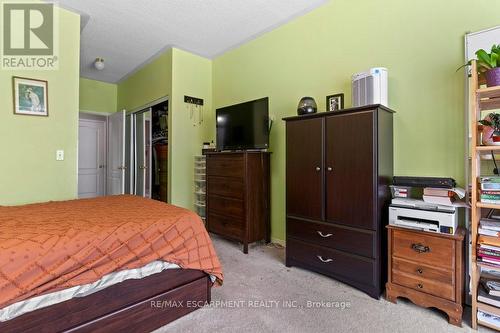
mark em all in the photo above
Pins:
pixel 370 87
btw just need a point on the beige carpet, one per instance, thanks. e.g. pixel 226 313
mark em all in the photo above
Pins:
pixel 261 279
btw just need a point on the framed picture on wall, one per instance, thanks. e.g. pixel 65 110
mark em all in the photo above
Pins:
pixel 30 96
pixel 335 102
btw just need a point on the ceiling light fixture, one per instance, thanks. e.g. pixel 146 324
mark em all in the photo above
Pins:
pixel 99 64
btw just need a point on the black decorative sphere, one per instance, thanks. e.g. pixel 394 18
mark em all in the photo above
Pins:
pixel 307 105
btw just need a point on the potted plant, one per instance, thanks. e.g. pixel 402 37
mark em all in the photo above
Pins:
pixel 491 129
pixel 489 64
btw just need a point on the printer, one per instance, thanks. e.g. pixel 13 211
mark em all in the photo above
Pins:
pixel 420 215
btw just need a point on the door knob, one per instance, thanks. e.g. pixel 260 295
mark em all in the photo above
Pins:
pixel 318 169
pixel 101 166
pixel 329 168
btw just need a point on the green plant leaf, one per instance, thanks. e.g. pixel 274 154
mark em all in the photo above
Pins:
pixel 494 59
pixel 484 58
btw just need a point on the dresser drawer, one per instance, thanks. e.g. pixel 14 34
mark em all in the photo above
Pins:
pixel 422 271
pixel 332 262
pixel 226 226
pixel 226 187
pixel 226 206
pixel 230 165
pixel 423 285
pixel 332 236
pixel 424 248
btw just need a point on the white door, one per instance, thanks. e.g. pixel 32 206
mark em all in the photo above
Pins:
pixel 116 153
pixel 91 158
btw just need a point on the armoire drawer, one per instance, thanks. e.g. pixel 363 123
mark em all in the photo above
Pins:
pixel 424 248
pixel 423 271
pixel 226 206
pixel 332 262
pixel 226 226
pixel 231 165
pixel 341 238
pixel 226 187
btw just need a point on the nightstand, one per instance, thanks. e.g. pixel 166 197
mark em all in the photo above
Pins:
pixel 427 268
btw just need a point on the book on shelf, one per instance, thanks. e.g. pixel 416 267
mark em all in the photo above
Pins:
pixel 490 201
pixel 491 286
pixel 484 297
pixel 490 186
pixel 490 224
pixel 488 318
pixel 489 253
pixel 489 179
pixel 488 232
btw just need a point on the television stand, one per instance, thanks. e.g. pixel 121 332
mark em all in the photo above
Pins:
pixel 238 194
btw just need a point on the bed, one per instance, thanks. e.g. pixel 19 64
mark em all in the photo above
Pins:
pixel 103 264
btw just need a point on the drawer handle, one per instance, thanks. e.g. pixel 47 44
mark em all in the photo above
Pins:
pixel 324 260
pixel 420 286
pixel 420 271
pixel 420 248
pixel 323 235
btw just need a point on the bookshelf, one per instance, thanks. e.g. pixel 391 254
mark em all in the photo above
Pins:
pixel 482 99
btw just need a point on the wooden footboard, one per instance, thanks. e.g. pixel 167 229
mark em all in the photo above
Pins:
pixel 138 305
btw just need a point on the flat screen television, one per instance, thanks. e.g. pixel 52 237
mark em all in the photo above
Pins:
pixel 243 126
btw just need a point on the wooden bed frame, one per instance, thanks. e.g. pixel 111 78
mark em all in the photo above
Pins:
pixel 141 305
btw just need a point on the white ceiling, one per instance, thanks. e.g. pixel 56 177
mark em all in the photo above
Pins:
pixel 130 33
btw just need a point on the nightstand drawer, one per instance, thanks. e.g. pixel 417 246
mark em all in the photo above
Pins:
pixel 423 285
pixel 341 238
pixel 424 248
pixel 423 271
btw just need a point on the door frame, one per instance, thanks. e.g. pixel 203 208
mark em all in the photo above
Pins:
pixel 96 117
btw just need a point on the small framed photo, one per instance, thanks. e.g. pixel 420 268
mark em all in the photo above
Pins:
pixel 335 102
pixel 30 96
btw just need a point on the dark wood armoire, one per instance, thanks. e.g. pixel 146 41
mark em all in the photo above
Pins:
pixel 339 166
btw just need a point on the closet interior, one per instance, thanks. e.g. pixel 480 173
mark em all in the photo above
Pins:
pixel 146 152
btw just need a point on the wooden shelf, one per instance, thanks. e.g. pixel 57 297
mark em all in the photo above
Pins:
pixel 487 325
pixel 488 308
pixel 490 92
pixel 487 205
pixel 488 148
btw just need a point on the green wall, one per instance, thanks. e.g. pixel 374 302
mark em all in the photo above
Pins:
pixel 420 42
pixel 174 74
pixel 192 76
pixel 97 96
pixel 149 83
pixel 29 171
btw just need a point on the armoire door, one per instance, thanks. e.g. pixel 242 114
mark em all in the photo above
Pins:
pixel 350 169
pixel 304 168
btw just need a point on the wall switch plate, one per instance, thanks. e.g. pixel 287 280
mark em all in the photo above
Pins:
pixel 59 155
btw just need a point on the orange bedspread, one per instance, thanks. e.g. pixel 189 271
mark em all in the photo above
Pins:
pixel 56 245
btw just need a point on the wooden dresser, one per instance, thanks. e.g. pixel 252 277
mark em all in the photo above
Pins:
pixel 238 196
pixel 427 268
pixel 339 166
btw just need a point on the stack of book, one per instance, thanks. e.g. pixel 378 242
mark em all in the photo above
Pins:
pixel 488 251
pixel 490 190
pixel 439 196
pixel 489 227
